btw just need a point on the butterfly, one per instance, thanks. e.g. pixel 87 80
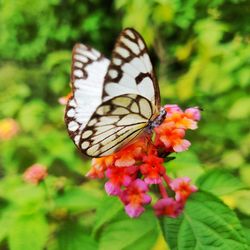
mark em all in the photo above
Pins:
pixel 113 101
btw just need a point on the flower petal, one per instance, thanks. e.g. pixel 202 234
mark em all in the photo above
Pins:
pixel 134 211
pixel 112 189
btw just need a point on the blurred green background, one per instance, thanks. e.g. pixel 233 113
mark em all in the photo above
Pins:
pixel 201 54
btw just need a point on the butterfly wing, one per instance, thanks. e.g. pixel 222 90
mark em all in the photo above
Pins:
pixel 129 97
pixel 130 70
pixel 88 70
pixel 115 123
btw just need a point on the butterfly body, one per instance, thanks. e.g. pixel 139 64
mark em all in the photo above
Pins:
pixel 113 101
pixel 158 120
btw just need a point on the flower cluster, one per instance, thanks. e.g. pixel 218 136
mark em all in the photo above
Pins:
pixel 35 173
pixel 132 170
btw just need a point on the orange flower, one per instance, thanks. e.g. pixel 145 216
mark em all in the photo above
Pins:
pixel 8 128
pixel 119 177
pixel 131 153
pixel 170 137
pixel 184 120
pixel 152 169
pixel 99 165
pixel 182 188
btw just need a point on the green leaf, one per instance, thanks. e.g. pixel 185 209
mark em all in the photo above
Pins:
pixel 247 234
pixel 245 174
pixel 78 199
pixel 56 58
pixel 245 222
pixel 240 109
pixel 6 219
pixel 219 182
pixel 232 159
pixel 72 237
pixel 31 115
pixel 185 164
pixel 28 232
pixel 206 223
pixel 243 201
pixel 126 233
pixel 108 209
pixel 12 188
pixel 163 13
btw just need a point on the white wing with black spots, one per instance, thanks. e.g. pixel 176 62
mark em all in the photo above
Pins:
pixel 88 69
pixel 130 70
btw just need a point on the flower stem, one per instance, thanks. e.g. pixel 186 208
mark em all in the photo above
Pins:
pixel 163 191
pixel 167 179
pixel 47 195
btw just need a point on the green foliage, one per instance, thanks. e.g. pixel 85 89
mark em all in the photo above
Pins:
pixel 124 233
pixel 72 237
pixel 23 230
pixel 200 50
pixel 219 182
pixel 206 224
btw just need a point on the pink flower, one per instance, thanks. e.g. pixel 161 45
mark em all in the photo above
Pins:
pixel 182 188
pixel 139 164
pixel 134 197
pixel 64 99
pixel 119 177
pixel 181 145
pixel 152 169
pixel 193 113
pixel 183 120
pixel 172 108
pixel 35 173
pixel 168 206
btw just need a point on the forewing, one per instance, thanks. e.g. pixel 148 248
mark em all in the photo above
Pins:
pixel 130 70
pixel 115 123
pixel 88 70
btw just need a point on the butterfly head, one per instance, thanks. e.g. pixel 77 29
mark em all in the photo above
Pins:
pixel 158 120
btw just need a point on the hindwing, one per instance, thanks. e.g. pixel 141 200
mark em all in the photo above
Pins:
pixel 115 123
pixel 88 70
